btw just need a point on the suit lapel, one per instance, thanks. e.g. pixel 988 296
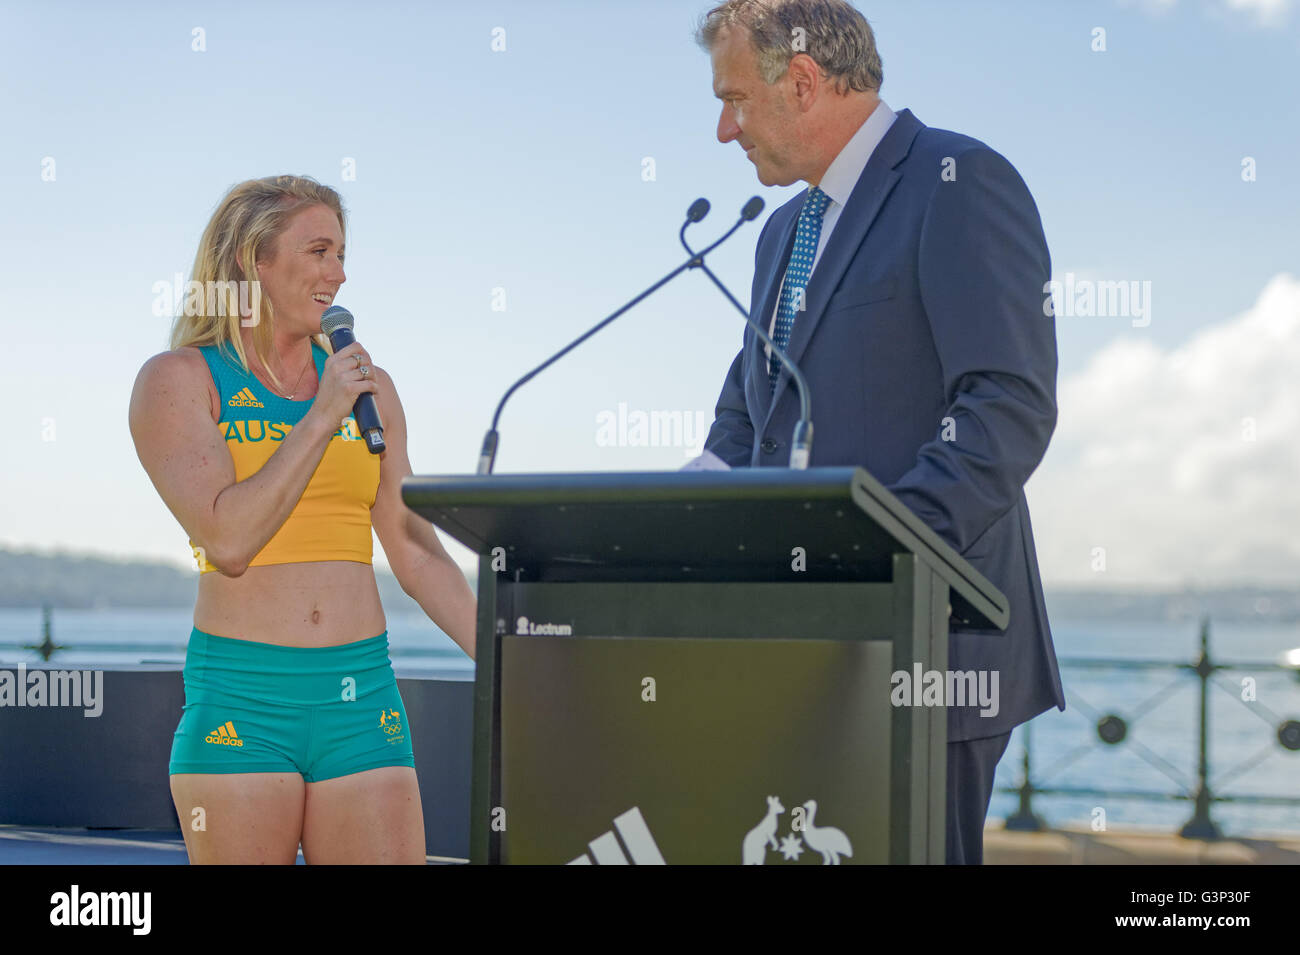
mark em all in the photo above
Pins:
pixel 877 180
pixel 776 272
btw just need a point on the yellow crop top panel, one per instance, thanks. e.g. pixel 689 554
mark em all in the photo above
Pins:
pixel 331 521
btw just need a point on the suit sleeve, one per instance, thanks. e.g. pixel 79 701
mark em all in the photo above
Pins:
pixel 983 268
pixel 732 435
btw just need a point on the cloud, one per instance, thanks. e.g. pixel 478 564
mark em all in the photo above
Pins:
pixel 1183 464
pixel 1264 12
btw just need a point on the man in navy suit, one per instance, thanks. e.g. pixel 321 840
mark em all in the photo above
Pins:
pixel 909 281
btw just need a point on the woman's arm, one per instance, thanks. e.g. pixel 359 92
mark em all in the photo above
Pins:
pixel 185 456
pixel 419 561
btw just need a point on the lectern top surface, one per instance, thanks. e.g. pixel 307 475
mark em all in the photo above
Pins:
pixel 758 524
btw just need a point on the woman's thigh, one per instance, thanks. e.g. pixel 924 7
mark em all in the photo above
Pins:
pixel 240 818
pixel 372 817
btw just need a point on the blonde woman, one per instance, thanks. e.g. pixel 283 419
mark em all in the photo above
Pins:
pixel 293 730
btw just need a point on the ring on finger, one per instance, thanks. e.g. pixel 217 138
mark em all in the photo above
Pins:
pixel 358 358
pixel 365 371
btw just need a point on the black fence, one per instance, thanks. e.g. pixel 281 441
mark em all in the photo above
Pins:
pixel 1114 729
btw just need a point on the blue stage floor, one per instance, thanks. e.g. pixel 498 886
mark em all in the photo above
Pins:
pixel 38 845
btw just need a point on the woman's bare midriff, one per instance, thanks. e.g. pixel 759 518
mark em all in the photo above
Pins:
pixel 316 604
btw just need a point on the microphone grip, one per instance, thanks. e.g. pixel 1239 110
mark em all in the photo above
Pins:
pixel 363 409
pixel 372 429
pixel 801 445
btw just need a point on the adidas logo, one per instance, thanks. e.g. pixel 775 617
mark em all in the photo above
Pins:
pixel 224 735
pixel 640 845
pixel 245 399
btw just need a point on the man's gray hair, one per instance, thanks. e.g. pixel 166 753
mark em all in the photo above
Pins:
pixel 832 32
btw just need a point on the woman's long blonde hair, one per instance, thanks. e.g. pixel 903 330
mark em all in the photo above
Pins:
pixel 248 220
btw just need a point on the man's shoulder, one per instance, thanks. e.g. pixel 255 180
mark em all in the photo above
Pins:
pixel 933 141
pixel 942 155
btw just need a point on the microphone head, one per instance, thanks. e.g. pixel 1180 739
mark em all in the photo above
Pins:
pixel 752 208
pixel 336 316
pixel 698 210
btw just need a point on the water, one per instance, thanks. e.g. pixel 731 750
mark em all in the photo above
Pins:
pixel 1066 751
pixel 107 638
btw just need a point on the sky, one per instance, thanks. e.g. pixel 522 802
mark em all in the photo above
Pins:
pixel 515 171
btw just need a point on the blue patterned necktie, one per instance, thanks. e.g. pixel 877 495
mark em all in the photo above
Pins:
pixel 793 291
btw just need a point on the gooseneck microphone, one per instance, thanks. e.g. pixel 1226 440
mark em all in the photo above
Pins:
pixel 698 210
pixel 337 323
pixel 801 441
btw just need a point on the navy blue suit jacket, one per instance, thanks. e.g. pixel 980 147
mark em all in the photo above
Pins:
pixel 932 365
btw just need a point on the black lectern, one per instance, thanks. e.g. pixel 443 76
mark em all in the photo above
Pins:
pixel 699 667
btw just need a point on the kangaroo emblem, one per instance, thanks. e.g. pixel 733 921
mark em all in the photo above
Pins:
pixel 754 848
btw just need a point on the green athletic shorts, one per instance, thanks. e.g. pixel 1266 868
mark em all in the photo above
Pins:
pixel 321 712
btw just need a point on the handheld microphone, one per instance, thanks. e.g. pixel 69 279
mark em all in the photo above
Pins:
pixel 801 441
pixel 337 323
pixel 697 211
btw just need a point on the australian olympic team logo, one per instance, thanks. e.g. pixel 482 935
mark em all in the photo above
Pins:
pixel 390 721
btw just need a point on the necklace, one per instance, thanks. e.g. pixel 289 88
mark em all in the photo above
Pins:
pixel 300 374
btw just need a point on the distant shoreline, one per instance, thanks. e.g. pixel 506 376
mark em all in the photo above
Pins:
pixel 67 581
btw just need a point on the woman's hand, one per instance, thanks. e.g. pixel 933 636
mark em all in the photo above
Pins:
pixel 341 382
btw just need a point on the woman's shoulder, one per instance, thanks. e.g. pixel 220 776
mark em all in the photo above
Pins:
pixel 182 368
pixel 175 364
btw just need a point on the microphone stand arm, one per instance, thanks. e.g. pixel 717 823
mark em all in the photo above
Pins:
pixel 801 441
pixel 487 456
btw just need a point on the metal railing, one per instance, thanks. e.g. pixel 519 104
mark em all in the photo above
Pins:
pixel 1112 729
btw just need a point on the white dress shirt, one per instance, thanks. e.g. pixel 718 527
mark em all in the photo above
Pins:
pixel 838 182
